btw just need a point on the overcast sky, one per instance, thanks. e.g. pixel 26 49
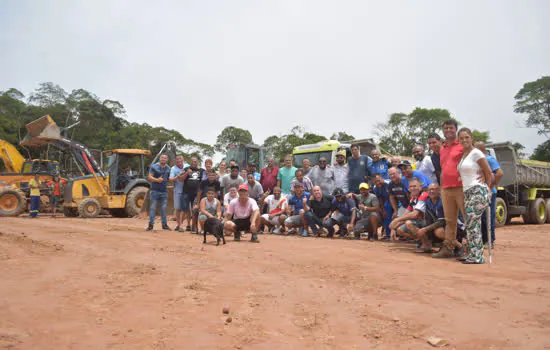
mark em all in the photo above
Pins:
pixel 198 66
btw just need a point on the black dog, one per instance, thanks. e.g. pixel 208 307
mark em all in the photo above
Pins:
pixel 215 227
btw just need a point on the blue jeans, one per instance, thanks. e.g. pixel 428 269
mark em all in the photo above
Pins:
pixel 493 220
pixel 35 206
pixel 155 198
pixel 389 211
pixel 316 223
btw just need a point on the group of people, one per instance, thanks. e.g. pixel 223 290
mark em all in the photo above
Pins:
pixel 440 200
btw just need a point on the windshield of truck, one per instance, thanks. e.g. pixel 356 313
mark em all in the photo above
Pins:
pixel 313 158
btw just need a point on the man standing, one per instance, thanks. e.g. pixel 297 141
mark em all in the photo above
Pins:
pixel 497 176
pixel 231 179
pixel 323 176
pixel 358 168
pixel 341 172
pixel 192 178
pixel 379 165
pixel 285 176
pixel 34 185
pixel 268 176
pixel 424 163
pixel 176 174
pixel 301 179
pixel 296 211
pixel 306 167
pixel 207 168
pixel 435 144
pixel 56 187
pixel 255 190
pixel 243 214
pixel 317 211
pixel 382 192
pixel 159 173
pixel 253 169
pixel 409 174
pixel 342 212
pixel 398 193
pixel 452 194
pixel 276 208
pixel 369 209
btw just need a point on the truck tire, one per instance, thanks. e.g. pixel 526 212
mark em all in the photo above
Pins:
pixel 135 200
pixel 89 208
pixel 547 202
pixel 70 212
pixel 501 212
pixel 12 202
pixel 537 211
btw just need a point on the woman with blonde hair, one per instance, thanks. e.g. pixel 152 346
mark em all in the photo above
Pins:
pixel 475 174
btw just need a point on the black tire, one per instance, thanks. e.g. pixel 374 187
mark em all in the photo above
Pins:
pixel 135 200
pixel 537 211
pixel 118 213
pixel 89 208
pixel 70 212
pixel 12 202
pixel 547 202
pixel 501 216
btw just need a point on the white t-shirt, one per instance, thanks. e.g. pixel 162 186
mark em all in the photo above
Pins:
pixel 272 203
pixel 241 211
pixel 470 172
pixel 426 167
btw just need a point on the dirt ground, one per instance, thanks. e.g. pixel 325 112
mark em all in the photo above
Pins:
pixel 71 283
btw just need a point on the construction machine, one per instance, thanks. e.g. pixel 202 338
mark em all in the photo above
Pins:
pixel 120 189
pixel 14 181
pixel 245 154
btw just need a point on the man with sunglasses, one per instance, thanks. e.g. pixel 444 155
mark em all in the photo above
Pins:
pixel 323 176
pixel 341 172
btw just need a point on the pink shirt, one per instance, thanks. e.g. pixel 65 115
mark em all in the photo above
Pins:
pixel 450 158
pixel 241 211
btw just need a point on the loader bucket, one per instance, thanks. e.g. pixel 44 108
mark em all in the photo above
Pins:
pixel 41 131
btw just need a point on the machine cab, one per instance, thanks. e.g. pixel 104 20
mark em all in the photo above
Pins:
pixel 124 166
pixel 246 154
pixel 40 166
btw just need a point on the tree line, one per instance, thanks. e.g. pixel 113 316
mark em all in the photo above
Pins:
pixel 102 124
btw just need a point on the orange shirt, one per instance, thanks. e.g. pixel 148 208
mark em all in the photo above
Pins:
pixel 56 191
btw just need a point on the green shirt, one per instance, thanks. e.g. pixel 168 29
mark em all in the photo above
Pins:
pixel 286 175
pixel 369 201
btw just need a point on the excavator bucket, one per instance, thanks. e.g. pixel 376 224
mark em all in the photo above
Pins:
pixel 41 131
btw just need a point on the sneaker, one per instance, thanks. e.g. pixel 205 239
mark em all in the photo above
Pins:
pixel 276 231
pixel 180 230
pixel 177 228
pixel 166 228
pixel 237 236
pixel 292 231
pixel 342 234
pixel 149 228
pixel 254 238
pixel 188 228
pixel 304 233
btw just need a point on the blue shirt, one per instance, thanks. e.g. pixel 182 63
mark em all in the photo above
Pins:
pixel 435 209
pixel 423 178
pixel 358 169
pixel 493 164
pixel 380 167
pixel 382 193
pixel 297 202
pixel 157 171
pixel 345 207
pixel 175 171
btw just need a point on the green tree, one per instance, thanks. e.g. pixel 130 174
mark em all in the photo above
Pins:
pixel 519 149
pixel 342 136
pixel 394 136
pixel 542 152
pixel 482 136
pixel 533 100
pixel 232 135
pixel 279 146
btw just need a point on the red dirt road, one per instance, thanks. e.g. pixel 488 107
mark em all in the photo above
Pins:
pixel 107 284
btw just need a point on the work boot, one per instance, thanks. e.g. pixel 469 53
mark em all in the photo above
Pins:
pixel 237 236
pixel 149 228
pixel 444 252
pixel 254 238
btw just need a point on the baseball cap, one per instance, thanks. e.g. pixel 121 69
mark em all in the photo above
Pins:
pixel 404 163
pixel 364 185
pixel 341 153
pixel 338 192
pixel 243 187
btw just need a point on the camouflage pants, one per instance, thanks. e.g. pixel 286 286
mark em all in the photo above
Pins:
pixel 476 200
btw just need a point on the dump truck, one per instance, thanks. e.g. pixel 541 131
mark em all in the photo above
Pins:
pixel 14 181
pixel 120 189
pixel 524 189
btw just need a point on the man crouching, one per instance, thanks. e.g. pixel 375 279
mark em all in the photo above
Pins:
pixel 407 225
pixel 243 214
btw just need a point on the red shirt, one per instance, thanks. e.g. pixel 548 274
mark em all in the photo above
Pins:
pixel 56 191
pixel 268 179
pixel 450 157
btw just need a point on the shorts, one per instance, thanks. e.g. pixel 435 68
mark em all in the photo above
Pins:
pixel 242 224
pixel 274 221
pixel 419 223
pixel 187 200
pixel 54 200
pixel 341 218
pixel 178 201
pixel 294 220
pixel 203 217
pixel 365 224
